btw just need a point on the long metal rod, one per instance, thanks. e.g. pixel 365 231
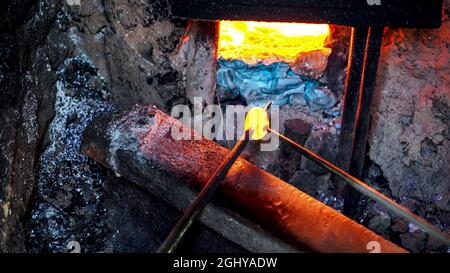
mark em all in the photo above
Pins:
pixel 180 230
pixel 370 192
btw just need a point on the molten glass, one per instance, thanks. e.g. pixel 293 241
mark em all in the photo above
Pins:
pixel 253 42
pixel 257 121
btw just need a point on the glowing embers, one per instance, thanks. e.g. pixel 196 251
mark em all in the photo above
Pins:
pixel 253 42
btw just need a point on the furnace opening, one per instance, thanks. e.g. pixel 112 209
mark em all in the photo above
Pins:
pixel 282 63
pixel 267 42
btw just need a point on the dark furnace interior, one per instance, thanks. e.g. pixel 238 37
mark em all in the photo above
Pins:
pixel 88 91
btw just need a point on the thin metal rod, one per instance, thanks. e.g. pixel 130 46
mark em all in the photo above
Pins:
pixel 370 192
pixel 180 230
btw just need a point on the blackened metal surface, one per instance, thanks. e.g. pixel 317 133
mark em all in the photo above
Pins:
pixel 351 96
pixel 363 62
pixel 395 13
pixel 362 115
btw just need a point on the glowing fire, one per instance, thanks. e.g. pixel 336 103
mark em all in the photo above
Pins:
pixel 269 42
pixel 257 121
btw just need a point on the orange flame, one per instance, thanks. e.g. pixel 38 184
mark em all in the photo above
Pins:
pixel 269 42
pixel 257 121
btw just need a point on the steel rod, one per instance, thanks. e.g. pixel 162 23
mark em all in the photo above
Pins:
pixel 191 214
pixel 370 192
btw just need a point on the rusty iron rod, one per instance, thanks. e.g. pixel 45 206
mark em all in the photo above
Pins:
pixel 191 214
pixel 370 192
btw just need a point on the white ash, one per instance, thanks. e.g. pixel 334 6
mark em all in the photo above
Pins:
pixel 334 201
pixel 69 185
pixel 29 110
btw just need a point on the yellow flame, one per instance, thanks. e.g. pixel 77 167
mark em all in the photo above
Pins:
pixel 269 42
pixel 257 121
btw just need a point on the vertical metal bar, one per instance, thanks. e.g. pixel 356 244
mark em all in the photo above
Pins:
pixel 351 96
pixel 362 116
pixel 374 40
